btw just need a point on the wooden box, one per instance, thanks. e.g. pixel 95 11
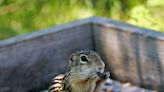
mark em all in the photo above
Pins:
pixel 132 54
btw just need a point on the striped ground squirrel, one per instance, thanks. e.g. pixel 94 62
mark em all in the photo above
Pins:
pixel 85 73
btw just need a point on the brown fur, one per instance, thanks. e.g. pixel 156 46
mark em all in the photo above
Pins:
pixel 82 74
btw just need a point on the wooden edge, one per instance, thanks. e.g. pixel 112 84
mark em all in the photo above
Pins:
pixel 91 20
pixel 126 27
pixel 33 35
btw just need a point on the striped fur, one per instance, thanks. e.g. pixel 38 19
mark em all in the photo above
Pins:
pixel 57 83
pixel 101 86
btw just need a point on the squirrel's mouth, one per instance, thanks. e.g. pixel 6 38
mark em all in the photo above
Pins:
pixel 103 75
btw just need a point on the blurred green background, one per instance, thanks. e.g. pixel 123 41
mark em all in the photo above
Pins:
pixel 24 16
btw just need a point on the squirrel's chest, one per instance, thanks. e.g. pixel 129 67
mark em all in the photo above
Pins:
pixel 80 86
pixel 87 87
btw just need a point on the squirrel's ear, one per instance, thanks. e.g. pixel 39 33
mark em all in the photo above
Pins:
pixel 71 60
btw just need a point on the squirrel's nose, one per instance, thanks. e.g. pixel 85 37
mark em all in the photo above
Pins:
pixel 101 68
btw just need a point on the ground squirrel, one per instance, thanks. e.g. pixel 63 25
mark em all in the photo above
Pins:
pixel 86 70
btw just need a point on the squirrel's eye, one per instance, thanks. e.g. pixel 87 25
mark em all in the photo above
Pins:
pixel 84 58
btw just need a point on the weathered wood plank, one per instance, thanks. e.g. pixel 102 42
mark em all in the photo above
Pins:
pixel 29 63
pixel 133 54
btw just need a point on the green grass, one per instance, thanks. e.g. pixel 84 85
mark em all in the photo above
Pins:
pixel 24 16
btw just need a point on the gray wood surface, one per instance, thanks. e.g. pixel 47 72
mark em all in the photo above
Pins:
pixel 30 63
pixel 132 54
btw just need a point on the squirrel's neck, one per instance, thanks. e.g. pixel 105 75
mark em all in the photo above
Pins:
pixel 81 81
pixel 87 86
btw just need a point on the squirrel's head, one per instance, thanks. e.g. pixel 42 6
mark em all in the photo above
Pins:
pixel 81 61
